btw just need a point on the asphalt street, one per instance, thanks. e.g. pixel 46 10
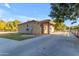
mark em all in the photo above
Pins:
pixel 56 44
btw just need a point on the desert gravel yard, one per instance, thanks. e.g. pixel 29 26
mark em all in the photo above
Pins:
pixel 57 44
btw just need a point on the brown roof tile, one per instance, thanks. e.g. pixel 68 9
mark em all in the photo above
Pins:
pixel 43 21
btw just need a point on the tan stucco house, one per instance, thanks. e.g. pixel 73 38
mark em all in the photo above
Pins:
pixel 37 27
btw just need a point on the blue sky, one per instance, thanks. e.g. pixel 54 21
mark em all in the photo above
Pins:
pixel 26 11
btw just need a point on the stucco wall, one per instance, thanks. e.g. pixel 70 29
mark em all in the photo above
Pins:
pixel 22 28
pixel 45 26
pixel 36 29
pixel 48 28
pixel 51 29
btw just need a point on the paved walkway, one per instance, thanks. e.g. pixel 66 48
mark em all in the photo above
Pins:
pixel 57 44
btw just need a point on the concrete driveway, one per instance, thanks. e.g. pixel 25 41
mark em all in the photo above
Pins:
pixel 57 44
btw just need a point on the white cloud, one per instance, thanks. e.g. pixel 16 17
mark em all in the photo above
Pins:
pixel 7 5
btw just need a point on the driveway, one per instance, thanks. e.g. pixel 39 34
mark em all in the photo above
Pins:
pixel 57 44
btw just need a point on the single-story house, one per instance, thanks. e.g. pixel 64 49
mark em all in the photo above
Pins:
pixel 37 27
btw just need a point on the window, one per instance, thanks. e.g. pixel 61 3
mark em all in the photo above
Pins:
pixel 27 29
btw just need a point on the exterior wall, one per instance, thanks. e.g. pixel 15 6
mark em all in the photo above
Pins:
pixel 48 28
pixel 51 29
pixel 45 28
pixel 35 28
pixel 21 29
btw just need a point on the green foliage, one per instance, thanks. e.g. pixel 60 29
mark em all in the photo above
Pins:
pixel 62 12
pixel 60 27
pixel 9 26
pixel 2 25
pixel 65 11
pixel 74 27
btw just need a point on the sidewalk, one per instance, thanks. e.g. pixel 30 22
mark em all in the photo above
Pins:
pixel 71 37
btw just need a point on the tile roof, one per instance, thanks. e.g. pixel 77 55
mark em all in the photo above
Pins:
pixel 43 21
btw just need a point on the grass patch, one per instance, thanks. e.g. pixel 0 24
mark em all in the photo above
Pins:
pixel 17 36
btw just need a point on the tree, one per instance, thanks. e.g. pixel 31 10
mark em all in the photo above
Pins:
pixel 64 11
pixel 15 24
pixel 9 26
pixel 74 27
pixel 2 25
pixel 60 27
pixel 12 25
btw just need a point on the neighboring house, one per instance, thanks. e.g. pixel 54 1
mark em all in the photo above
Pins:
pixel 37 27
